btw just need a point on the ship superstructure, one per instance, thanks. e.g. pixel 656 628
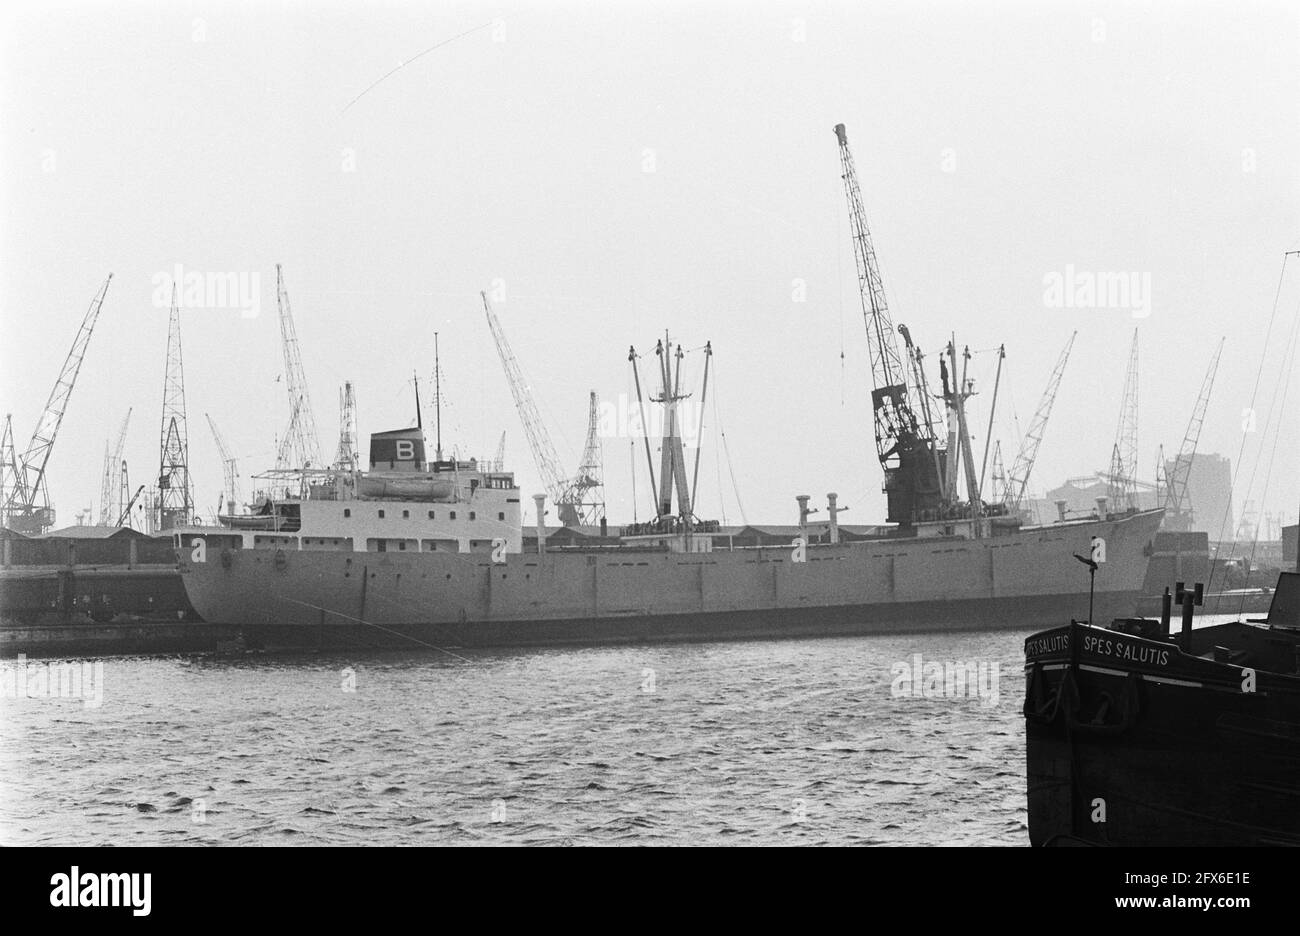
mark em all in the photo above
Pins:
pixel 402 503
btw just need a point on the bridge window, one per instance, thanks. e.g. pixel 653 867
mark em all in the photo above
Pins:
pixel 501 516
pixel 381 515
pixel 430 514
pixel 347 512
pixel 472 515
pixel 406 515
pixel 453 515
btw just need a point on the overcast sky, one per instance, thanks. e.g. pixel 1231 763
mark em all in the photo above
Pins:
pixel 614 170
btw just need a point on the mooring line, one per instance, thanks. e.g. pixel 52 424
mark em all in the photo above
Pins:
pixel 381 627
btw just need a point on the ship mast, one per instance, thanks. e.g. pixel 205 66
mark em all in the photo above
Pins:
pixel 672 469
pixel 419 415
pixel 437 397
pixel 967 455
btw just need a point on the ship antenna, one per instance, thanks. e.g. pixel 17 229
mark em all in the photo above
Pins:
pixel 419 420
pixel 437 396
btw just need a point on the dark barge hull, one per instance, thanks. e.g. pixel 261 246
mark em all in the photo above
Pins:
pixel 43 594
pixel 123 636
pixel 1131 741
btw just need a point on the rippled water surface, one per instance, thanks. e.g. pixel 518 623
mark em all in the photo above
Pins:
pixel 774 742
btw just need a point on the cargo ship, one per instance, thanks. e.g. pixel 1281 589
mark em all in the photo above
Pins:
pixel 413 552
pixel 347 570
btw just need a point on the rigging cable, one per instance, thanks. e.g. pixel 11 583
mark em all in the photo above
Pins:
pixel 735 489
pixel 1288 356
pixel 1259 373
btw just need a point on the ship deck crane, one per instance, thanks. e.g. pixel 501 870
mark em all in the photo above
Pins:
pixel 905 445
pixel 27 508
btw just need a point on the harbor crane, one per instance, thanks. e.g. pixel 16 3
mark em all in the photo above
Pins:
pixel 124 518
pixel 110 491
pixel 1121 486
pixel 587 489
pixel 998 479
pixel 1017 480
pixel 906 446
pixel 27 505
pixel 568 494
pixel 8 461
pixel 284 450
pixel 1178 508
pixel 346 458
pixel 303 447
pixel 229 468
pixel 175 490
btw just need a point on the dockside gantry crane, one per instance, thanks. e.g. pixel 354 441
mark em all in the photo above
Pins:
pixel 346 457
pixel 1122 478
pixel 301 446
pixel 587 488
pixel 906 446
pixel 8 462
pixel 175 488
pixel 568 494
pixel 1017 480
pixel 229 469
pixel 1178 509
pixel 110 490
pixel 27 503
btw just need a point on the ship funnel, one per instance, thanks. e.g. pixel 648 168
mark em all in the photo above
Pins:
pixel 1061 505
pixel 1101 506
pixel 833 510
pixel 803 515
pixel 398 450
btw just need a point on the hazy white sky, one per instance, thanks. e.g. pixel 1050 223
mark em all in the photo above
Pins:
pixel 626 168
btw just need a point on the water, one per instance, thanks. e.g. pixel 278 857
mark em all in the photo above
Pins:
pixel 759 743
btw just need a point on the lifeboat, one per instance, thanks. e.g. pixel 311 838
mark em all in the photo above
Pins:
pixel 406 487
